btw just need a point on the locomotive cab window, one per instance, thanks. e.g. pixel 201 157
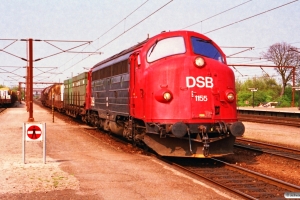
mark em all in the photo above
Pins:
pixel 206 48
pixel 166 47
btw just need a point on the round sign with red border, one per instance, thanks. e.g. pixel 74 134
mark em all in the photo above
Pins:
pixel 34 132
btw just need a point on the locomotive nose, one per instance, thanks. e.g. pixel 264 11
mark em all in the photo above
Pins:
pixel 179 129
pixel 237 129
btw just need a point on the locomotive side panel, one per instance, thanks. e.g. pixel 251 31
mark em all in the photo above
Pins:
pixel 110 85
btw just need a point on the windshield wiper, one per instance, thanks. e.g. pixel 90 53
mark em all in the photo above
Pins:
pixel 153 47
pixel 206 41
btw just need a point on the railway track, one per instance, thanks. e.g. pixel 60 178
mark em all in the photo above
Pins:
pixel 242 181
pixel 287 121
pixel 272 149
pixel 2 109
pixel 239 180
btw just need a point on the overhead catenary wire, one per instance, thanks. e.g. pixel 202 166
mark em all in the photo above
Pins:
pixel 128 30
pixel 106 32
pixel 122 20
pixel 124 32
pixel 135 25
pixel 251 17
pixel 216 15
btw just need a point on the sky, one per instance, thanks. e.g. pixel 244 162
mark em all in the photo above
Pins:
pixel 97 29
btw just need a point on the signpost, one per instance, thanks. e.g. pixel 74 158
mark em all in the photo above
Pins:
pixel 298 89
pixel 34 132
pixel 253 90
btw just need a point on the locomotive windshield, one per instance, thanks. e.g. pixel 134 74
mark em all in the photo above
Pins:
pixel 206 48
pixel 166 47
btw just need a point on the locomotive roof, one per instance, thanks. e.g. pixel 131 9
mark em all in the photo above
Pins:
pixel 123 54
pixel 126 51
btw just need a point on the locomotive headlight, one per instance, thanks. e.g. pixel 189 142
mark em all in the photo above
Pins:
pixel 167 96
pixel 199 62
pixel 164 95
pixel 230 96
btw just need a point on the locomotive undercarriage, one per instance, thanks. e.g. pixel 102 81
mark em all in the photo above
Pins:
pixel 193 140
pixel 124 126
pixel 179 139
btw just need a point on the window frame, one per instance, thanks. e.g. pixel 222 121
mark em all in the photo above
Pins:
pixel 165 54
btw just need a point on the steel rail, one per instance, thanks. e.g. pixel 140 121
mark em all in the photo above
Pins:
pixel 289 153
pixel 295 122
pixel 257 180
pixel 241 181
pixel 267 144
pixel 240 193
pixel 2 109
pixel 270 179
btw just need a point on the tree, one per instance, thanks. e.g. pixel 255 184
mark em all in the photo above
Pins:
pixel 283 55
pixel 268 90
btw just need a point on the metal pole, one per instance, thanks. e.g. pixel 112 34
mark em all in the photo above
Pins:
pixel 23 143
pixel 30 78
pixel 293 91
pixel 52 106
pixel 20 93
pixel 299 101
pixel 253 99
pixel 44 143
pixel 26 94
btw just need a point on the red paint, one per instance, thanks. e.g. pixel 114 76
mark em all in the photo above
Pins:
pixel 34 132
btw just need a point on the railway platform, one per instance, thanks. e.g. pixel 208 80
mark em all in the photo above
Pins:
pixel 81 165
pixel 270 109
pixel 288 136
pixel 290 112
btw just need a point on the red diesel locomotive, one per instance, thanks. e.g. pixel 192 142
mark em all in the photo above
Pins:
pixel 172 92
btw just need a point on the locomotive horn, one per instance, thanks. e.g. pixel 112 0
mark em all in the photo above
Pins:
pixel 237 129
pixel 179 129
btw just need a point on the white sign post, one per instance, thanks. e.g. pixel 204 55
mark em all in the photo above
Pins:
pixel 34 132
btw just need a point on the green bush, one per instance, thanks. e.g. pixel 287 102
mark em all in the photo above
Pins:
pixel 283 101
pixel 268 91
